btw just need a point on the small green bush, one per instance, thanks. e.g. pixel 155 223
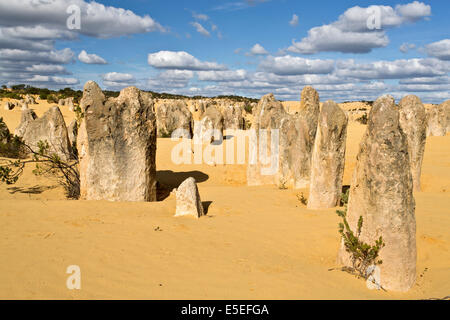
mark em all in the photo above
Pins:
pixel 362 254
pixel 363 119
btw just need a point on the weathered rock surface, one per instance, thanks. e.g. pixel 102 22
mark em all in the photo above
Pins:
pixel 294 160
pixel 9 105
pixel 413 122
pixel 24 106
pixel 188 199
pixel 50 127
pixel 446 111
pixel 26 118
pixel 309 110
pixel 328 158
pixel 268 115
pixel 29 99
pixel 67 102
pixel 233 118
pixel 4 132
pixel 382 193
pixel 436 121
pixel 172 116
pixel 210 124
pixel 72 130
pixel 117 145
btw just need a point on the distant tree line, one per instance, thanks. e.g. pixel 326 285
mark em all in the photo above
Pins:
pixel 19 90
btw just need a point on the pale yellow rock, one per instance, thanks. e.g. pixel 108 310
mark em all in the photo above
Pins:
pixel 381 193
pixel 188 199
pixel 328 158
pixel 413 122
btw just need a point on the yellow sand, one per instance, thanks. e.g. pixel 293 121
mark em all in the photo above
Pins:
pixel 254 243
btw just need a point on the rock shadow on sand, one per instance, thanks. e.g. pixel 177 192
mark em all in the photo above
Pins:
pixel 167 180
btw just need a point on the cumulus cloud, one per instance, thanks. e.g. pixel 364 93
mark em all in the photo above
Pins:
pixel 289 65
pixel 219 76
pixel 439 49
pixel 413 11
pixel 90 58
pixel 117 81
pixel 258 49
pixel 353 33
pixel 180 60
pixel 397 69
pixel 118 77
pixel 63 56
pixel 97 20
pixel 29 30
pixel 200 29
pixel 52 80
pixel 294 20
pixel 46 68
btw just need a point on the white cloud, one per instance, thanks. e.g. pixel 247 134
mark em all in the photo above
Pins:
pixel 413 11
pixel 97 20
pixel 434 80
pixel 200 29
pixel 46 68
pixel 405 47
pixel 219 76
pixel 90 58
pixel 397 69
pixel 289 65
pixel 118 77
pixel 180 60
pixel 52 80
pixel 55 56
pixel 294 20
pixel 439 49
pixel 118 81
pixel 29 30
pixel 351 34
pixel 258 49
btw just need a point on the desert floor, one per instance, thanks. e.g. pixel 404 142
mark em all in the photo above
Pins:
pixel 254 242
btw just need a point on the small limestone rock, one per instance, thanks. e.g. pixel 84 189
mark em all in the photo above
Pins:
pixel 382 194
pixel 328 158
pixel 445 106
pixel 26 118
pixel 211 125
pixel 436 122
pixel 29 99
pixel 4 132
pixel 9 105
pixel 50 127
pixel 188 199
pixel 233 118
pixel 24 106
pixel 173 116
pixel 413 122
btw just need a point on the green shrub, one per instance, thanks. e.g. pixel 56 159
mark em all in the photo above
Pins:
pixel 302 199
pixel 362 255
pixel 46 164
pixel 363 119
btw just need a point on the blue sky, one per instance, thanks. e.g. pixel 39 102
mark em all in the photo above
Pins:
pixel 232 47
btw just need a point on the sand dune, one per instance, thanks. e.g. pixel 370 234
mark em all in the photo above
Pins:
pixel 254 243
